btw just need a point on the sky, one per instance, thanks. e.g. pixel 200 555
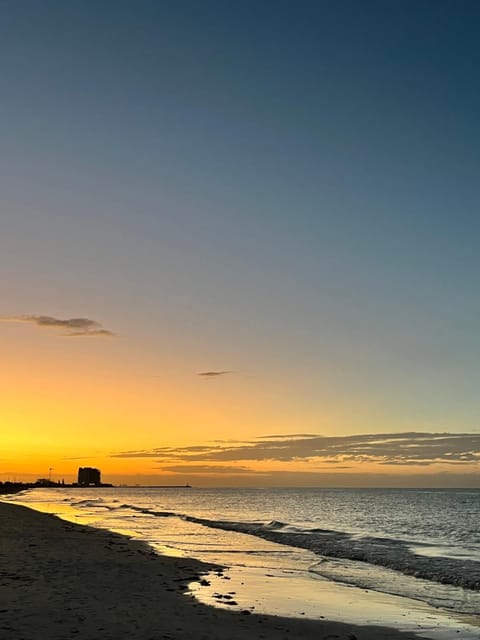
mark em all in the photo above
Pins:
pixel 239 241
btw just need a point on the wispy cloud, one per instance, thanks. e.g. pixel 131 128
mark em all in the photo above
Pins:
pixel 213 374
pixel 196 452
pixel 73 327
pixel 288 437
pixel 81 458
pixel 202 469
pixel 399 449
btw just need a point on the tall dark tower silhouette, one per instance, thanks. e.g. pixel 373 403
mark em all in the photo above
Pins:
pixel 88 476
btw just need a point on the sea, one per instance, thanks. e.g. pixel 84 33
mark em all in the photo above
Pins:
pixel 408 558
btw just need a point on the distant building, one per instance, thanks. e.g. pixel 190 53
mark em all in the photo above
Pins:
pixel 46 482
pixel 89 476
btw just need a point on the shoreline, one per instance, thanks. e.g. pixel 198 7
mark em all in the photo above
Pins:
pixel 65 580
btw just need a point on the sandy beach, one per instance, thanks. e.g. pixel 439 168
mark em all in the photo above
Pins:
pixel 60 580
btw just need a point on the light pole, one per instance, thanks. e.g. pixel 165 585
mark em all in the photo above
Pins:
pixel 50 469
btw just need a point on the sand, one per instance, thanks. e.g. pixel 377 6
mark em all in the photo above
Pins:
pixel 62 581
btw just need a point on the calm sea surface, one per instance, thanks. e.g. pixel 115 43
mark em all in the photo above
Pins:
pixel 419 544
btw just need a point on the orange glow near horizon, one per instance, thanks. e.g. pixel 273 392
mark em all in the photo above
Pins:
pixel 67 403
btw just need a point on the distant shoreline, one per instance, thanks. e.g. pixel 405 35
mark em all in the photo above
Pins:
pixel 15 487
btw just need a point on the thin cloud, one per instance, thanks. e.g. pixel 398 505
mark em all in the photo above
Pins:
pixel 213 374
pixel 202 469
pixel 287 436
pixel 340 466
pixel 82 458
pixel 73 327
pixel 199 451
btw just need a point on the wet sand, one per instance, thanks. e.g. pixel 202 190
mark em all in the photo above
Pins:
pixel 61 581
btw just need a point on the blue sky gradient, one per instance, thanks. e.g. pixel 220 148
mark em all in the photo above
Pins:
pixel 285 190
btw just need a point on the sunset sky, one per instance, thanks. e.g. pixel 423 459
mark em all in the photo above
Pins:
pixel 239 241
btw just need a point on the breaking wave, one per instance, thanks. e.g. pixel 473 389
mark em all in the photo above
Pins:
pixel 388 553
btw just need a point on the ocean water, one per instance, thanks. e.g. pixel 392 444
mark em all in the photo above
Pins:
pixel 423 545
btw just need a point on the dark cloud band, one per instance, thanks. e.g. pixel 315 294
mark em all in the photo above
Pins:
pixel 399 449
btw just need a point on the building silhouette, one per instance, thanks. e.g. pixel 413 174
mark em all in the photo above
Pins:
pixel 88 476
